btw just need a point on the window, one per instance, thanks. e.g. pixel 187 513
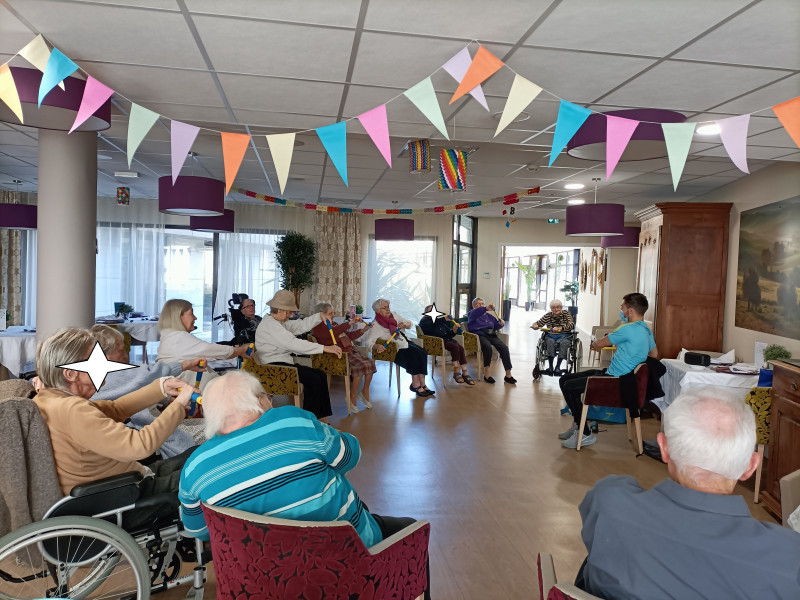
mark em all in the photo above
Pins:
pixel 403 273
pixel 463 274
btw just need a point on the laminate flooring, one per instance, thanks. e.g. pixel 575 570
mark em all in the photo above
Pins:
pixel 484 466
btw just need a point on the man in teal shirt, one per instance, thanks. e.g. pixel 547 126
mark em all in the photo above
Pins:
pixel 634 342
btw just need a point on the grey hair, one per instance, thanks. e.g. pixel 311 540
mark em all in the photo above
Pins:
pixel 63 347
pixel 475 301
pixel 108 337
pixel 170 317
pixel 322 307
pixel 711 430
pixel 376 306
pixel 556 302
pixel 245 301
pixel 234 393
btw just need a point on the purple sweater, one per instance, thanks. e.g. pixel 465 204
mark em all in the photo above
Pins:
pixel 479 319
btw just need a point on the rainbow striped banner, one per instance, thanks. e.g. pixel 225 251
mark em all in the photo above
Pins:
pixel 452 170
pixel 419 156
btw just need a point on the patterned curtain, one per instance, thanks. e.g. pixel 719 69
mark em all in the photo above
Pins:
pixel 11 267
pixel 338 260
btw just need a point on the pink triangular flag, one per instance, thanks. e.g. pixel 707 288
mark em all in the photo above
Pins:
pixel 94 96
pixel 374 121
pixel 182 136
pixel 618 134
pixel 457 67
pixel 733 132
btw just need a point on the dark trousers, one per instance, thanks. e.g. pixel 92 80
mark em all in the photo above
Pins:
pixel 572 386
pixel 487 341
pixel 413 359
pixel 391 525
pixel 456 351
pixel 316 398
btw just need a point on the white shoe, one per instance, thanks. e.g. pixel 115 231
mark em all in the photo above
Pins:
pixel 565 435
pixel 572 442
pixel 353 408
pixel 364 401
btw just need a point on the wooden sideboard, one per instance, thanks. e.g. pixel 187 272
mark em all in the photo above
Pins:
pixel 784 432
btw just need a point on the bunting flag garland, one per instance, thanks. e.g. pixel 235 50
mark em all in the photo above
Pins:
pixel 569 120
pixel 182 136
pixel 37 53
pixel 424 98
pixel 452 170
pixel 678 137
pixel 377 127
pixel 8 92
pixel 522 93
pixel 234 145
pixel 140 121
pixel 788 114
pixel 94 96
pixel 457 67
pixel 618 134
pixel 733 132
pixel 484 65
pixel 334 138
pixel 281 146
pixel 59 67
pixel 419 156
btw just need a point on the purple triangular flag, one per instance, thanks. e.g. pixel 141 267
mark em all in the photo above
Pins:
pixel 182 137
pixel 457 67
pixel 733 132
pixel 618 134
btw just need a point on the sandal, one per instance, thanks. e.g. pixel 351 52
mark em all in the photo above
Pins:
pixel 420 391
pixel 459 378
pixel 428 391
pixel 468 380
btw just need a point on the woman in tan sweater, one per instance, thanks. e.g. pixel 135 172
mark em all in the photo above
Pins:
pixel 90 440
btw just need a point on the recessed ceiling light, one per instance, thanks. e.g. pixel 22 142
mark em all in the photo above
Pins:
pixel 298 143
pixel 103 157
pixel 576 201
pixel 523 116
pixel 574 186
pixel 131 174
pixel 709 129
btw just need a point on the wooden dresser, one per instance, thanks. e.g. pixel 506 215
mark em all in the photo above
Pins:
pixel 784 432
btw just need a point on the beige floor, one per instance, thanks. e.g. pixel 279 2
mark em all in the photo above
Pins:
pixel 484 466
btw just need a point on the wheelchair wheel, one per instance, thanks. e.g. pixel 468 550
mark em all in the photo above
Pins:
pixel 576 356
pixel 72 557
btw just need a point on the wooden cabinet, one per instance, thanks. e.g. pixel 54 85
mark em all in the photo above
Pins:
pixel 683 265
pixel 784 432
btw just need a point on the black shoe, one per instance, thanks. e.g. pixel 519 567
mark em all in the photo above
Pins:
pixel 489 379
pixel 557 373
pixel 420 392
pixel 509 380
pixel 427 391
pixel 548 372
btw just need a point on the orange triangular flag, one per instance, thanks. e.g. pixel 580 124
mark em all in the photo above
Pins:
pixel 234 145
pixel 484 65
pixel 789 115
pixel 8 92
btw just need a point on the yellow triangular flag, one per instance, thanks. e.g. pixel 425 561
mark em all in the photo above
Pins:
pixel 281 145
pixel 37 53
pixel 8 92
pixel 522 93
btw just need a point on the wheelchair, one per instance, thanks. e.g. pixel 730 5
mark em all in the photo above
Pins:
pixel 574 354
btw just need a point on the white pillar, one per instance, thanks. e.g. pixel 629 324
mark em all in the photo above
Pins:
pixel 67 229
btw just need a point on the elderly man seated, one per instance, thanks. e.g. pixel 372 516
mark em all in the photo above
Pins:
pixel 560 323
pixel 485 324
pixel 277 461
pixel 689 536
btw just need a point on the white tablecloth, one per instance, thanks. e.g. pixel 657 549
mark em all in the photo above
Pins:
pixel 141 329
pixel 681 377
pixel 16 348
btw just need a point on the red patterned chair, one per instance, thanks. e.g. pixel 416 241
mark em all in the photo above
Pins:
pixel 549 589
pixel 262 558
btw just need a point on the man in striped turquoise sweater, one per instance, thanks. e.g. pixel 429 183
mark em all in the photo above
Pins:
pixel 280 462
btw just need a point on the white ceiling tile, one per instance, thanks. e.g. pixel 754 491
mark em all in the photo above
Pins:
pixel 343 13
pixel 752 152
pixel 246 92
pixel 779 137
pixel 765 97
pixel 792 157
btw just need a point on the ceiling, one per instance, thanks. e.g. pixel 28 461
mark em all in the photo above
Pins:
pixel 272 66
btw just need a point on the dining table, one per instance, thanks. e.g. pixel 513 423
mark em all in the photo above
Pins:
pixel 17 347
pixel 681 377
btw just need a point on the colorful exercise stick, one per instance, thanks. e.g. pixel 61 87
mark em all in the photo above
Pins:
pixel 386 344
pixel 330 330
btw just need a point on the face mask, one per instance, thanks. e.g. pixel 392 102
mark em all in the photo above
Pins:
pixel 622 316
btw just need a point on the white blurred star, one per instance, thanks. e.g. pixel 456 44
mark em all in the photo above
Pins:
pixel 433 313
pixel 97 366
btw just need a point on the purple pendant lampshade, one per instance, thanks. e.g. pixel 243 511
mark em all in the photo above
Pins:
pixel 199 196
pixel 595 219
pixel 394 230
pixel 223 224
pixel 646 142
pixel 629 239
pixel 17 216
pixel 58 108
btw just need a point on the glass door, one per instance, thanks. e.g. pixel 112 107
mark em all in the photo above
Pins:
pixel 463 274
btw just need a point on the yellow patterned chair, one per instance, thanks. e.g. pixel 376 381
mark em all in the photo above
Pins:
pixel 472 345
pixel 388 355
pixel 434 346
pixel 760 400
pixel 333 366
pixel 126 337
pixel 277 380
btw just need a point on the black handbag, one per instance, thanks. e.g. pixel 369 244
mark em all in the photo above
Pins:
pixel 697 358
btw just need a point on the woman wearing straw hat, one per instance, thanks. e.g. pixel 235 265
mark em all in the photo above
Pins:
pixel 275 341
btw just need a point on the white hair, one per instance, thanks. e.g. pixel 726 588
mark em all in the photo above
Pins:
pixel 710 429
pixel 376 306
pixel 226 397
pixel 322 307
pixel 555 302
pixel 108 337
pixel 476 300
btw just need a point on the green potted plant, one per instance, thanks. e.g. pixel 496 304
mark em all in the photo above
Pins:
pixel 570 290
pixel 775 352
pixel 529 272
pixel 125 310
pixel 296 255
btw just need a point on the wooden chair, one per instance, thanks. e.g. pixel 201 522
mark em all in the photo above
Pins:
pixel 760 400
pixel 333 366
pixel 434 346
pixel 472 345
pixel 277 558
pixel 605 391
pixel 276 380
pixel 389 355
pixel 598 333
pixel 550 589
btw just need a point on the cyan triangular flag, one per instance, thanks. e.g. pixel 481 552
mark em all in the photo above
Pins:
pixel 334 138
pixel 678 137
pixel 570 118
pixel 140 121
pixel 59 67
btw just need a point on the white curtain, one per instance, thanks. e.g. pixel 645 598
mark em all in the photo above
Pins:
pixel 404 273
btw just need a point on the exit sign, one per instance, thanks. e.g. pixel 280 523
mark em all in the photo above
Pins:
pixel 552 220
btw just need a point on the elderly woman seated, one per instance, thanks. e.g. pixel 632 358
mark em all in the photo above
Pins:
pixel 559 323
pixel 276 341
pixel 409 356
pixel 245 328
pixel 90 440
pixel 177 344
pixel 447 330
